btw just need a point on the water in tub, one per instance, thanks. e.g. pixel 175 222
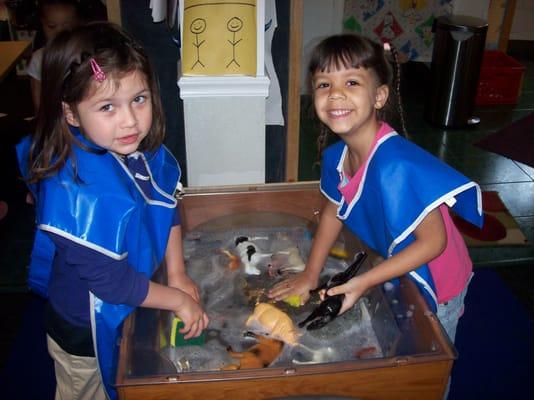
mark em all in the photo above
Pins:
pixel 230 293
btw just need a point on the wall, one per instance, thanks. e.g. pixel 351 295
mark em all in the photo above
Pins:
pixel 473 8
pixel 325 17
pixel 321 18
pixel 522 27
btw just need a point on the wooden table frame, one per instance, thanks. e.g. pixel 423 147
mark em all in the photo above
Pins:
pixel 418 375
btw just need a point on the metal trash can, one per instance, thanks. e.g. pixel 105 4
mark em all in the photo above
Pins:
pixel 456 59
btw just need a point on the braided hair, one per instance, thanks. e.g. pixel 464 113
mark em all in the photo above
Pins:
pixel 354 51
pixel 399 107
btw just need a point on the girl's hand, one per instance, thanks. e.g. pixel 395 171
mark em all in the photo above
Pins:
pixel 193 316
pixel 182 281
pixel 297 285
pixel 182 304
pixel 353 290
pixel 431 240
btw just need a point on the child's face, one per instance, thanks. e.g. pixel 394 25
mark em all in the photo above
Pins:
pixel 346 100
pixel 117 115
pixel 56 18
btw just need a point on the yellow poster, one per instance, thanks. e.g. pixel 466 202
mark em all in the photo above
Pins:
pixel 219 37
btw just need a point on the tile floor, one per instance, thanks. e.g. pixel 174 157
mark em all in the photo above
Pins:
pixel 514 182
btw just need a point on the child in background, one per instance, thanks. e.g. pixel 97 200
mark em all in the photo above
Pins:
pixel 54 17
pixel 105 207
pixel 389 192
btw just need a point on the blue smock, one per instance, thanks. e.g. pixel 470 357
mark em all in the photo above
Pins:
pixel 99 205
pixel 401 184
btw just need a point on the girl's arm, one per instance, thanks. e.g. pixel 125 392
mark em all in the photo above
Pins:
pixel 182 304
pixel 176 274
pixel 325 237
pixel 115 282
pixel 194 318
pixel 430 241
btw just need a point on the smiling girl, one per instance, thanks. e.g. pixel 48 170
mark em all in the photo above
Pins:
pixel 389 192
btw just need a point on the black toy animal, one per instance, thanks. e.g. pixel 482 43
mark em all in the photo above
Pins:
pixel 330 306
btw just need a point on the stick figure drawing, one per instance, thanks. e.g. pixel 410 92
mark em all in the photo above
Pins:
pixel 197 27
pixel 219 37
pixel 234 25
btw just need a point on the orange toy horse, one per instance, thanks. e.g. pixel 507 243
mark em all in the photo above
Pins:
pixel 260 355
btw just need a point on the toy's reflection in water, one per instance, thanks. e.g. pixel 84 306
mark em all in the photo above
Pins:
pixel 230 296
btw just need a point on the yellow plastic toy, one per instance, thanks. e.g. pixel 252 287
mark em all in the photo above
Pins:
pixel 293 301
pixel 339 252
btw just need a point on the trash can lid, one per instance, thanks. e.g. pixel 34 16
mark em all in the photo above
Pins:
pixel 463 23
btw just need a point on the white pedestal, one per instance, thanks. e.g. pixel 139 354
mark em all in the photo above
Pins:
pixel 224 129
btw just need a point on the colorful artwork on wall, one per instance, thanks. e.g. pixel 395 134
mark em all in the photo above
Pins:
pixel 405 23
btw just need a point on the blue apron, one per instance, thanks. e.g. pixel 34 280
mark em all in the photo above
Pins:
pixel 400 185
pixel 104 209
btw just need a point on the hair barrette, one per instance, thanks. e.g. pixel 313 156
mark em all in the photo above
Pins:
pixel 387 46
pixel 99 75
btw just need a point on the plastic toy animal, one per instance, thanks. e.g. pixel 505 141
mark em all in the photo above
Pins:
pixel 287 261
pixel 260 355
pixel 234 262
pixel 339 252
pixel 250 255
pixel 331 305
pixel 312 356
pixel 272 322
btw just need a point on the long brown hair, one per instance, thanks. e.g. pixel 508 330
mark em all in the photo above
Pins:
pixel 354 51
pixel 68 77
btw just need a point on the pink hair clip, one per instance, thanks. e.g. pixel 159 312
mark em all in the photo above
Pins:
pixel 99 75
pixel 387 46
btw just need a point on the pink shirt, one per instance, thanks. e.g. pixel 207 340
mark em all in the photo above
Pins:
pixel 349 186
pixel 452 269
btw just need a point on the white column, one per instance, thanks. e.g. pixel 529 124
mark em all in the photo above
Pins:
pixel 224 129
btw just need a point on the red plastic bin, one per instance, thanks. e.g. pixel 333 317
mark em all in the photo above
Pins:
pixel 501 79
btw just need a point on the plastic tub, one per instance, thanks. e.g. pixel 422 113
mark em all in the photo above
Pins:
pixel 501 79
